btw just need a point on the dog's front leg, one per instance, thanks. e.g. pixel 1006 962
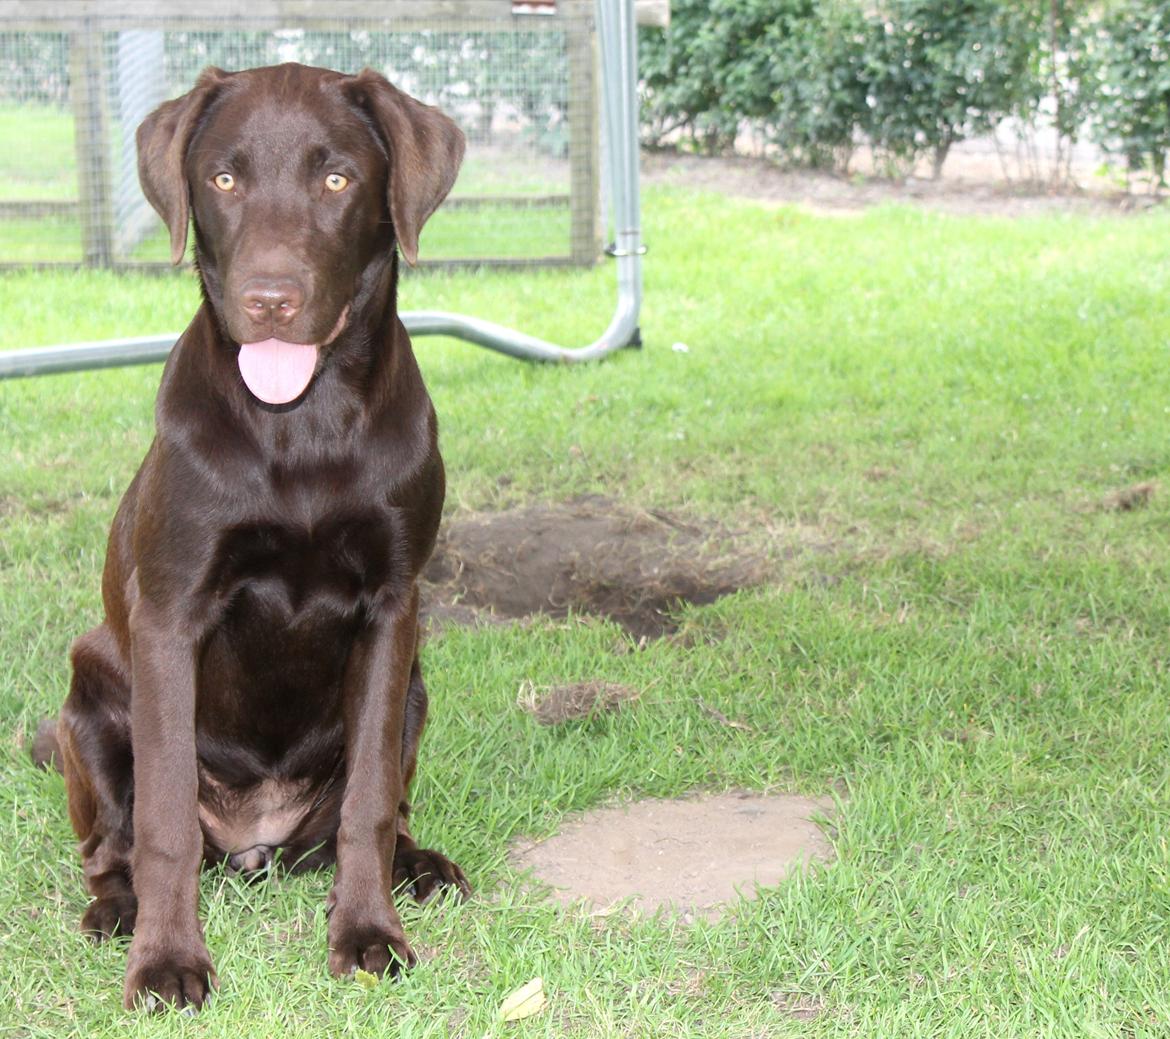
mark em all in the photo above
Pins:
pixel 364 927
pixel 168 956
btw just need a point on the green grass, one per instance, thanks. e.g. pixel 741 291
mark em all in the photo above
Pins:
pixel 37 160
pixel 495 230
pixel 483 231
pixel 922 415
pixel 46 132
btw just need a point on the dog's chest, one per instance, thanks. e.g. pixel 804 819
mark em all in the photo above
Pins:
pixel 337 564
pixel 292 601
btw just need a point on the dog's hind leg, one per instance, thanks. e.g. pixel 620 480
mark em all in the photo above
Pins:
pixel 423 872
pixel 94 738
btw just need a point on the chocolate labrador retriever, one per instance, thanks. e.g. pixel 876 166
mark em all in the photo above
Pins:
pixel 255 686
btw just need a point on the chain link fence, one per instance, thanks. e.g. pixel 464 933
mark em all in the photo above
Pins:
pixel 77 77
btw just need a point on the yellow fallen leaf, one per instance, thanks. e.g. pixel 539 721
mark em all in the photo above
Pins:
pixel 365 979
pixel 524 1002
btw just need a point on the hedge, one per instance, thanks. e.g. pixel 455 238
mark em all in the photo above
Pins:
pixel 1130 105
pixel 909 77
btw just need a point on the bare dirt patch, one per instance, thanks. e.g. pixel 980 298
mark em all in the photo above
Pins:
pixel 972 189
pixel 694 856
pixel 591 555
pixel 574 702
pixel 1129 499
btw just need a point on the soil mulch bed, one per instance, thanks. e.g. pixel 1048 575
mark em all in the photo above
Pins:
pixel 590 555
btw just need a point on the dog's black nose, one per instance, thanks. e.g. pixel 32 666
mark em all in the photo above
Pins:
pixel 273 301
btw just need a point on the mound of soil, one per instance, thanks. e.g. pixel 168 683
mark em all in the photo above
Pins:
pixel 573 702
pixel 591 555
pixel 693 856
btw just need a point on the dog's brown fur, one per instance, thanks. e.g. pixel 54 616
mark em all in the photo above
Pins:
pixel 255 685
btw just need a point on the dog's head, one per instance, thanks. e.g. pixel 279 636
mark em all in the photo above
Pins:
pixel 299 182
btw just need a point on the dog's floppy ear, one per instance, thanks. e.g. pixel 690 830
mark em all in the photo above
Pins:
pixel 425 149
pixel 162 146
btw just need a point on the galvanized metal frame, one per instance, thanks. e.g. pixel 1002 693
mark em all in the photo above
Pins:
pixel 104 230
pixel 618 50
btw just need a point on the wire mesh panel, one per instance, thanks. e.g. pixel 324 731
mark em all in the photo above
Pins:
pixel 77 77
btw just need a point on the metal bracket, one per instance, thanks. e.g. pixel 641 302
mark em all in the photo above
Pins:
pixel 613 250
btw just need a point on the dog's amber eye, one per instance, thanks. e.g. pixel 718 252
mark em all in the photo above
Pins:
pixel 225 181
pixel 336 182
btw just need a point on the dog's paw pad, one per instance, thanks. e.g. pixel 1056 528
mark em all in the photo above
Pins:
pixel 370 952
pixel 183 981
pixel 424 873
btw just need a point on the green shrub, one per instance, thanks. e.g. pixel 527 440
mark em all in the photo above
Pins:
pixel 915 77
pixel 791 68
pixel 1058 82
pixel 680 91
pixel 1131 108
pixel 939 71
pixel 818 86
pixel 1065 73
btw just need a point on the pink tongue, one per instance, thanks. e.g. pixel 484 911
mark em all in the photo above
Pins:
pixel 275 371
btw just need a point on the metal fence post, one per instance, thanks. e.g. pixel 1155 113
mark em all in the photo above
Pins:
pixel 584 182
pixel 141 77
pixel 91 141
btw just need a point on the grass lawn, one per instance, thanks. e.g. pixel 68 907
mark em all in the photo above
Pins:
pixel 922 415
pixel 492 230
pixel 37 159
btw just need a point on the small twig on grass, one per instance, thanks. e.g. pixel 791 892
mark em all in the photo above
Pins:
pixel 722 718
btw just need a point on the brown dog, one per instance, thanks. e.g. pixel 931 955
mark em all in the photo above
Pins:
pixel 255 686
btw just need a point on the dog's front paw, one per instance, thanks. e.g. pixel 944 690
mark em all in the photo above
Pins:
pixel 424 873
pixel 178 975
pixel 376 946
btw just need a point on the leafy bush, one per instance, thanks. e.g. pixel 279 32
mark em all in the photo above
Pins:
pixel 817 84
pixel 681 69
pixel 1132 103
pixel 1065 73
pixel 939 71
pixel 789 67
pixel 914 75
pixel 34 67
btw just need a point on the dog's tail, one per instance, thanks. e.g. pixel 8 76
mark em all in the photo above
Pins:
pixel 46 748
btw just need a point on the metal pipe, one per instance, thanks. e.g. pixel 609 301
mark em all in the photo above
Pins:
pixel 80 357
pixel 619 76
